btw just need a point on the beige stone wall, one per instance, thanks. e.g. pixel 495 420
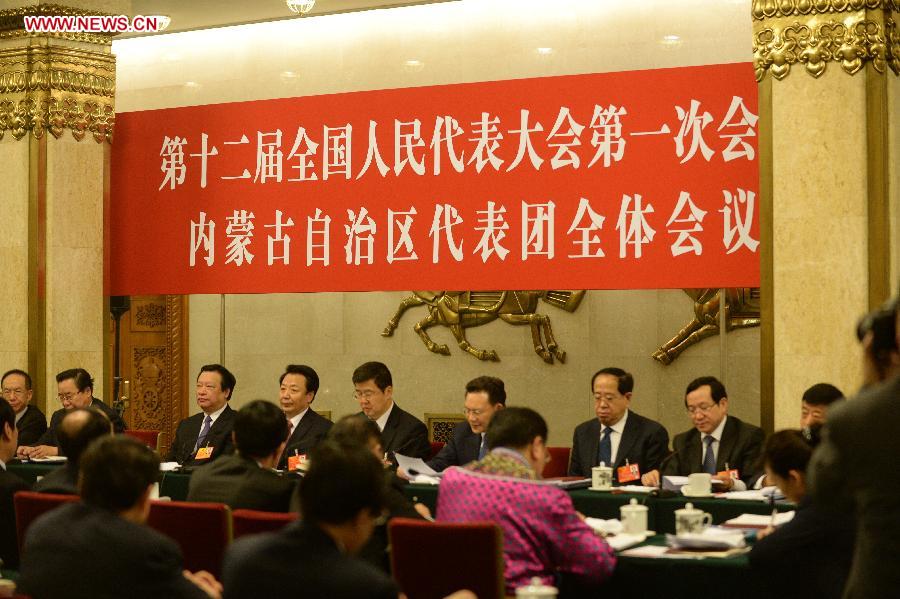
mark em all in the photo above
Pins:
pixel 335 332
pixel 14 254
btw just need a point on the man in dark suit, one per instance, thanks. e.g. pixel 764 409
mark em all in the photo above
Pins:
pixel 101 547
pixel 203 437
pixel 718 442
pixel 401 432
pixel 618 435
pixel 76 431
pixel 299 385
pixel 851 471
pixel 485 396
pixel 75 389
pixel 341 497
pixel 9 485
pixel 244 479
pixel 31 422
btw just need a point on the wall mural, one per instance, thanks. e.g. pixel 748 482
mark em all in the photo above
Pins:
pixel 460 310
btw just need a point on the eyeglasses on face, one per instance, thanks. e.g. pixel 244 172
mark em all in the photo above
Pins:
pixel 703 408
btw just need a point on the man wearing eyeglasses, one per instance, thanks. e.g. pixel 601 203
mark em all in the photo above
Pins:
pixel 30 421
pixel 485 396
pixel 205 436
pixel 718 444
pixel 401 432
pixel 75 389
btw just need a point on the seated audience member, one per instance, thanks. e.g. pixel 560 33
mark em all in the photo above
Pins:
pixel 718 442
pixel 299 385
pixel 542 532
pixel 31 422
pixel 358 432
pixel 244 479
pixel 485 395
pixel 75 389
pixel 816 402
pixel 401 432
pixel 618 435
pixel 76 431
pixel 852 472
pixel 341 498
pixel 9 485
pixel 809 556
pixel 203 437
pixel 101 547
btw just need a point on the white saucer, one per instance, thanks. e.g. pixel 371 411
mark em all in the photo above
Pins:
pixel 600 490
pixel 697 495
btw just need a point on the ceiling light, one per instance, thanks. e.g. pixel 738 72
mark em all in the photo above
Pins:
pixel 544 51
pixel 162 22
pixel 300 7
pixel 191 84
pixel 671 41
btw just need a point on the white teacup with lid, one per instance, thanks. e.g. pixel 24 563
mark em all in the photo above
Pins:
pixel 690 520
pixel 536 590
pixel 634 517
pixel 601 477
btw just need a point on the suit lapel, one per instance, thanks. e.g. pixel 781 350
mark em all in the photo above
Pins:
pixel 726 445
pixel 694 457
pixel 390 427
pixel 593 457
pixel 472 444
pixel 629 436
pixel 302 427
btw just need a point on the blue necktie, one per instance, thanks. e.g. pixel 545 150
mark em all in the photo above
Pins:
pixel 207 422
pixel 482 449
pixel 605 453
pixel 709 460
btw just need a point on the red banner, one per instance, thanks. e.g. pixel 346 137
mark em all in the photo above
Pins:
pixel 643 179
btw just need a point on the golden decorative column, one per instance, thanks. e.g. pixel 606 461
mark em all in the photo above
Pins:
pixel 830 123
pixel 57 117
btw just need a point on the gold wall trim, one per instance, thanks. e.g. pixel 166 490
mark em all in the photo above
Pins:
pixel 814 33
pixel 878 168
pixel 55 89
pixel 766 259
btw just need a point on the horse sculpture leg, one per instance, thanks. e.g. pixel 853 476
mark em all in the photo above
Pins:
pixel 481 354
pixel 405 304
pixel 430 321
pixel 552 345
pixel 675 350
pixel 534 321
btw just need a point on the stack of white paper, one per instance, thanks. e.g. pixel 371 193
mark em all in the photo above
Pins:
pixel 760 520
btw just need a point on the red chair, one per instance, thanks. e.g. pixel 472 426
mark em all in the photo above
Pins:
pixel 436 447
pixel 29 505
pixel 251 522
pixel 202 530
pixel 471 558
pixel 559 462
pixel 150 438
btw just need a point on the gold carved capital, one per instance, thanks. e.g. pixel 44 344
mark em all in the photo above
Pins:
pixel 814 33
pixel 53 88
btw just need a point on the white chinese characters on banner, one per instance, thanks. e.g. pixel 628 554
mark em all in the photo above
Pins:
pixel 633 227
pixel 738 217
pixel 538 223
pixel 687 219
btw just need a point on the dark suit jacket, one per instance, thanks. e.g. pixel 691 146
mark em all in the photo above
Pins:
pixel 309 432
pixel 461 449
pixel 809 557
pixel 376 551
pixel 299 561
pixel 853 470
pixel 644 442
pixel 31 425
pixel 62 480
pixel 240 483
pixel 49 436
pixel 219 438
pixel 405 434
pixel 740 448
pixel 78 551
pixel 9 546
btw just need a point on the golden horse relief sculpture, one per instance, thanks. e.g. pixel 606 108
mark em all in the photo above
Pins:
pixel 741 311
pixel 460 310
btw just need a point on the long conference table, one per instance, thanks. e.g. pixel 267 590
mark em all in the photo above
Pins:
pixel 634 576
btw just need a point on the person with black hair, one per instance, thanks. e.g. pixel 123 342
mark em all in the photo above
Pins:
pixel 485 395
pixel 245 479
pixel 31 422
pixel 203 437
pixel 542 533
pixel 401 432
pixel 76 432
pixel 809 556
pixel 299 384
pixel 816 402
pixel 618 435
pixel 75 389
pixel 10 484
pixel 717 442
pixel 100 547
pixel 341 498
